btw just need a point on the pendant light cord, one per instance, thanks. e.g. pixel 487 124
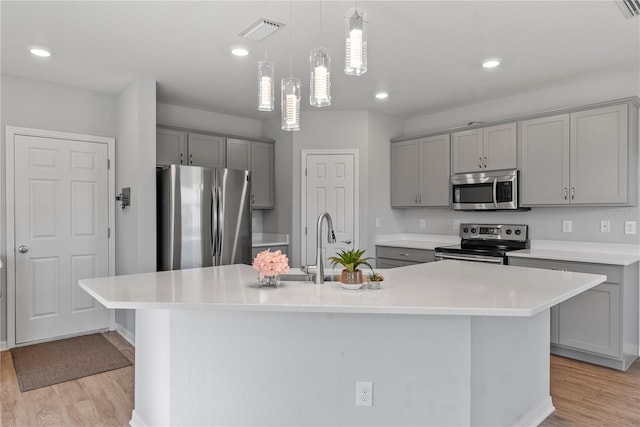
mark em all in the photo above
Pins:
pixel 291 39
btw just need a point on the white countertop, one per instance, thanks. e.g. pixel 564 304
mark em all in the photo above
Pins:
pixel 440 288
pixel 600 253
pixel 269 239
pixel 417 241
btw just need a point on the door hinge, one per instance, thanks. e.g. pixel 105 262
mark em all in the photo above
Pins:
pixel 305 231
pixel 108 163
pixel 108 232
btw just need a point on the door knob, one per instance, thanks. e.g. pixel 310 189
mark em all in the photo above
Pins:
pixel 23 249
pixel 348 242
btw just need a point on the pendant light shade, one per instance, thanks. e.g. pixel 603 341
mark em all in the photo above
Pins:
pixel 266 90
pixel 320 67
pixel 290 100
pixel 355 62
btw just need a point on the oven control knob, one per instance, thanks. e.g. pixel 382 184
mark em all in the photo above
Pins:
pixel 466 229
pixel 509 231
pixel 518 232
pixel 473 230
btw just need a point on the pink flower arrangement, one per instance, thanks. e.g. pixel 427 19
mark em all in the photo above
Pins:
pixel 269 263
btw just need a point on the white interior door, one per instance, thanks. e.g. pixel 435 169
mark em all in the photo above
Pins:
pixel 330 186
pixel 61 235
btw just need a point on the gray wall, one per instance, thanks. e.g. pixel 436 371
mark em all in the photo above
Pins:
pixel 367 132
pixel 135 168
pixel 41 105
pixel 545 223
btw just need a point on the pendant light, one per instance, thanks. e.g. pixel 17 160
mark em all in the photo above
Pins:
pixel 290 90
pixel 355 62
pixel 266 71
pixel 320 69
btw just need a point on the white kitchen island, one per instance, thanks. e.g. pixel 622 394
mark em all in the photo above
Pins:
pixel 446 343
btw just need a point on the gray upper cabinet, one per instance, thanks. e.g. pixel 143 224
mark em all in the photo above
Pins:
pixel 583 158
pixel 259 158
pixel 489 148
pixel 170 146
pixel 189 148
pixel 420 172
pixel 544 173
pixel 205 150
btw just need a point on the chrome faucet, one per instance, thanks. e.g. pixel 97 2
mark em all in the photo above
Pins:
pixel 331 238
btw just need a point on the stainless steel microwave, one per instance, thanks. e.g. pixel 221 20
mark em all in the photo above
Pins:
pixel 485 191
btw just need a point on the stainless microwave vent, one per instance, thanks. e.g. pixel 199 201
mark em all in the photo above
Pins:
pixel 261 29
pixel 630 8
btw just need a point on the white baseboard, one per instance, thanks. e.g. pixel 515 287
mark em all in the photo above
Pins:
pixel 538 414
pixel 136 421
pixel 126 334
pixel 3 346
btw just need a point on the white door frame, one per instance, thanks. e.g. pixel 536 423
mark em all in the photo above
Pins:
pixel 11 132
pixel 303 197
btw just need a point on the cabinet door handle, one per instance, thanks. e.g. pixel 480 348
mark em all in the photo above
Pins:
pixel 420 198
pixel 573 193
pixel 564 191
pixel 190 159
pixel 485 162
pixel 404 254
pixel 181 158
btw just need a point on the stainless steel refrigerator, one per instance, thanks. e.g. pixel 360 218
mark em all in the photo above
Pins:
pixel 204 217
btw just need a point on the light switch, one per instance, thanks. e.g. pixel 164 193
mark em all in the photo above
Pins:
pixel 456 224
pixel 378 222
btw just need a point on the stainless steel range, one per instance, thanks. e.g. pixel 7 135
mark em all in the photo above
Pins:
pixel 486 243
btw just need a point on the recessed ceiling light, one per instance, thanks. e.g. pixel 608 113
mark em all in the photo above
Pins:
pixel 491 63
pixel 382 95
pixel 240 51
pixel 40 52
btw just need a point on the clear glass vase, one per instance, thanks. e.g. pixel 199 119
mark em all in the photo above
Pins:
pixel 270 281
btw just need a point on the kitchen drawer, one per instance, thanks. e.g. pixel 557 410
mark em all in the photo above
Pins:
pixel 390 263
pixel 612 272
pixel 410 255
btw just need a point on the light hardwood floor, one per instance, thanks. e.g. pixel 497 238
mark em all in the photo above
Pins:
pixel 100 400
pixel 583 394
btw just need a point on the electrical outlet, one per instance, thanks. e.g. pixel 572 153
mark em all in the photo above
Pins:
pixel 629 227
pixel 567 225
pixel 364 393
pixel 378 222
pixel 605 226
pixel 422 223
pixel 456 224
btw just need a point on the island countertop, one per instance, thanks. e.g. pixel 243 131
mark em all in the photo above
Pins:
pixel 443 288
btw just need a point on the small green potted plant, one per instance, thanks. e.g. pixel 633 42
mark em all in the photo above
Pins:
pixel 351 259
pixel 374 279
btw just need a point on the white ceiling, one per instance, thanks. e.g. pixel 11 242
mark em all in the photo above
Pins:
pixel 427 54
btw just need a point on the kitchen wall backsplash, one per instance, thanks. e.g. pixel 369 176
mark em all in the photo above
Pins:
pixel 544 223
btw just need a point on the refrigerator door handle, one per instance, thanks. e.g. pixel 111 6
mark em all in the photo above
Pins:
pixel 214 219
pixel 220 220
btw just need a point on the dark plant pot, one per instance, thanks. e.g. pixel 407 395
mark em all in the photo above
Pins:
pixel 349 278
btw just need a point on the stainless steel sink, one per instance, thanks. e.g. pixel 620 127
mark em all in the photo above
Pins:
pixel 306 278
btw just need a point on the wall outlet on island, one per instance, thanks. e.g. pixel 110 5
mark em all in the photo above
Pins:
pixel 629 227
pixel 364 393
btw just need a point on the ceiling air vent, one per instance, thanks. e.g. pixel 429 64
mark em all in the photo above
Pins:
pixel 630 8
pixel 261 29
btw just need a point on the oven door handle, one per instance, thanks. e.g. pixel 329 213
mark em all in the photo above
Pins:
pixel 494 260
pixel 495 192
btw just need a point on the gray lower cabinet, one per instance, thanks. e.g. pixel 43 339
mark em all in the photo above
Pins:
pixel 599 325
pixel 391 256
